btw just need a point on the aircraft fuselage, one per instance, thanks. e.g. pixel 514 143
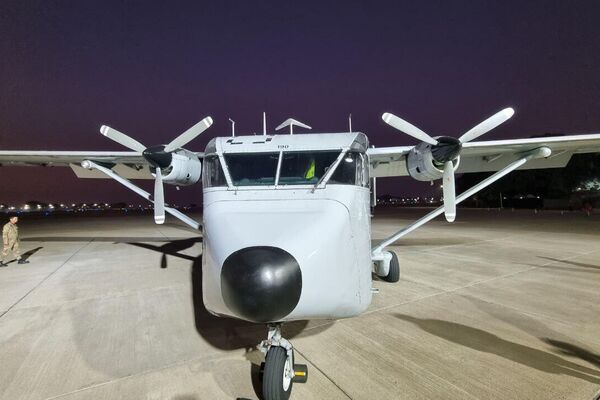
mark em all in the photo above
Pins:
pixel 291 240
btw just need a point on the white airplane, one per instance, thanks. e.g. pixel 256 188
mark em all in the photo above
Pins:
pixel 286 218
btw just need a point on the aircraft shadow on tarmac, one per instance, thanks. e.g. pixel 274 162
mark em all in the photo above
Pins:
pixel 486 342
pixel 171 248
pixel 554 264
pixel 571 350
pixel 536 328
pixel 573 263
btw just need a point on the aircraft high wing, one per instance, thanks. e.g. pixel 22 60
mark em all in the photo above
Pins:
pixel 441 157
pixel 170 163
pixel 129 164
pixel 503 156
pixel 488 156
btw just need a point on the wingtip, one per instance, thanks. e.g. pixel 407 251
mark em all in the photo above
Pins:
pixel 509 112
pixel 104 130
pixel 208 121
pixel 386 117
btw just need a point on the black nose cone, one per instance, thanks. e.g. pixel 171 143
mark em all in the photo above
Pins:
pixel 261 284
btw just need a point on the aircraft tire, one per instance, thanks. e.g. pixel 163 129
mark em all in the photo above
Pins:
pixel 394 272
pixel 275 385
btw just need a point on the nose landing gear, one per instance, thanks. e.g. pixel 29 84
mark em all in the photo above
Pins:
pixel 279 371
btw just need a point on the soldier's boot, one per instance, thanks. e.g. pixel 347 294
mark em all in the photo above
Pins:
pixel 21 261
pixel 2 264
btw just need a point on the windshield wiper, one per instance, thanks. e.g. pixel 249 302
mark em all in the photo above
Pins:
pixel 329 170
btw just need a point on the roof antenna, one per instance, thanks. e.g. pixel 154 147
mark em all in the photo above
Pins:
pixel 350 123
pixel 232 127
pixel 264 123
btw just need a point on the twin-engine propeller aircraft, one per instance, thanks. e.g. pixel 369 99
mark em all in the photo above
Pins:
pixel 266 199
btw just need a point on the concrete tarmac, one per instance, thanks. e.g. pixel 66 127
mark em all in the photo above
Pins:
pixel 498 305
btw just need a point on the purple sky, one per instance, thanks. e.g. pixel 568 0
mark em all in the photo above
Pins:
pixel 67 67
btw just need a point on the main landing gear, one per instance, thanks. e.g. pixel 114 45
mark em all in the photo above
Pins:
pixel 279 371
pixel 387 266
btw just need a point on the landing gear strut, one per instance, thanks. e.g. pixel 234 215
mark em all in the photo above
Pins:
pixel 280 372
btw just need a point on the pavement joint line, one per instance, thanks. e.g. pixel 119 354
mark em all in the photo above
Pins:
pixel 437 289
pixel 323 372
pixel 161 232
pixel 104 296
pixel 518 310
pixel 46 278
pixel 473 242
pixel 135 375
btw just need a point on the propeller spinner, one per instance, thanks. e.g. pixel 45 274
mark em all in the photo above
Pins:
pixel 445 149
pixel 159 157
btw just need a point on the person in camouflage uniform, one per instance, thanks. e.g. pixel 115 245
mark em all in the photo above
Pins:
pixel 10 239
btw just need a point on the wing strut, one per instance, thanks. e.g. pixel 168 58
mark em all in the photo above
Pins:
pixel 87 164
pixel 537 153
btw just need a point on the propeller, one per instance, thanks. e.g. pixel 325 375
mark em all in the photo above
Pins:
pixel 159 157
pixel 159 198
pixel 445 149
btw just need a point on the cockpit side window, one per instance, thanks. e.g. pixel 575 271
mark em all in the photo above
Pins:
pixel 305 168
pixel 252 169
pixel 345 174
pixel 351 171
pixel 212 174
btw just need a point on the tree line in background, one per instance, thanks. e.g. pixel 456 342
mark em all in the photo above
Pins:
pixel 580 178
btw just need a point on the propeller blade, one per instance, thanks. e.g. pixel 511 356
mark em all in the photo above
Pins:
pixel 159 199
pixel 407 128
pixel 487 125
pixel 449 194
pixel 189 135
pixel 122 138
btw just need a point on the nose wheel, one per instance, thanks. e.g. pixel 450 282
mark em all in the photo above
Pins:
pixel 279 371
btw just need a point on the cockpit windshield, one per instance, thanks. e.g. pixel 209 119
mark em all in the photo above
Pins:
pixel 252 169
pixel 294 168
pixel 305 168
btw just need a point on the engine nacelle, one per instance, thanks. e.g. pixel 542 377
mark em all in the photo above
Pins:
pixel 422 166
pixel 185 169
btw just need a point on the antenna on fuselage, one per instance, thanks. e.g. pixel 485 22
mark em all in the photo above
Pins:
pixel 350 123
pixel 232 127
pixel 264 123
pixel 291 122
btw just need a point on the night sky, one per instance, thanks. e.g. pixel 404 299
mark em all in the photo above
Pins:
pixel 152 69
